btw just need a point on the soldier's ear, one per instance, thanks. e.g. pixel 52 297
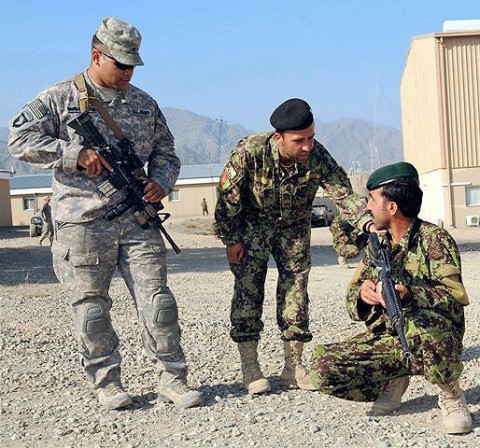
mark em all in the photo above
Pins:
pixel 278 137
pixel 392 208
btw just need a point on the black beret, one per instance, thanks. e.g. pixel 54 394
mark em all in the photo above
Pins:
pixel 391 173
pixel 292 115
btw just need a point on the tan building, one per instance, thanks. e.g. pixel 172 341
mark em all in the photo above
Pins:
pixel 26 196
pixel 440 97
pixel 5 204
pixel 194 183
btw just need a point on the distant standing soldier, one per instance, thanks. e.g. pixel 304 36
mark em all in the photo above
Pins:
pixel 204 207
pixel 264 208
pixel 347 240
pixel 46 214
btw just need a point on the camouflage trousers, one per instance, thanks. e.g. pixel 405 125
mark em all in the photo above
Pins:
pixel 85 257
pixel 358 369
pixel 290 248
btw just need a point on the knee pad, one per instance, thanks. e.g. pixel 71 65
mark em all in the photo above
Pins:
pixel 95 318
pixel 165 309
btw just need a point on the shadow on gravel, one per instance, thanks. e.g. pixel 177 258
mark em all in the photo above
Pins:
pixel 14 232
pixel 213 259
pixel 33 264
pixel 210 259
pixel 469 247
pixel 26 265
pixel 471 353
pixel 213 393
pixel 428 402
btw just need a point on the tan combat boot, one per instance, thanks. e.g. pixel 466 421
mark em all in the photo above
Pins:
pixel 253 380
pixel 112 396
pixel 294 374
pixel 172 386
pixel 455 413
pixel 391 398
pixel 343 262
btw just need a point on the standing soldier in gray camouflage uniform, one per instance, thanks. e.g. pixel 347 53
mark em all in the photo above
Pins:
pixel 264 208
pixel 426 269
pixel 46 214
pixel 88 248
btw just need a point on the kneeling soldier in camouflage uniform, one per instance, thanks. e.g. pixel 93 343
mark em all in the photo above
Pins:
pixel 264 208
pixel 426 270
pixel 88 248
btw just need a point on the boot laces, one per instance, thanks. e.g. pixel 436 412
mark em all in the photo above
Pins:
pixel 452 403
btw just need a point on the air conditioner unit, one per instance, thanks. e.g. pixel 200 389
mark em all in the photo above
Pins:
pixel 473 220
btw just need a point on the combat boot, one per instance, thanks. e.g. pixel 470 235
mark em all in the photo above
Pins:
pixel 172 386
pixel 343 262
pixel 253 380
pixel 113 396
pixel 455 413
pixel 391 398
pixel 294 373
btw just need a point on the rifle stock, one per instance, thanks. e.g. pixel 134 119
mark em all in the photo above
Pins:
pixel 390 294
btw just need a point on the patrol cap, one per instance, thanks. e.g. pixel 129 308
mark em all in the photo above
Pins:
pixel 392 173
pixel 292 115
pixel 122 39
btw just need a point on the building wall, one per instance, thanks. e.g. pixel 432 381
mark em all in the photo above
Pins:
pixel 433 204
pixel 190 197
pixel 5 204
pixel 22 216
pixel 462 87
pixel 440 96
pixel 461 179
pixel 421 106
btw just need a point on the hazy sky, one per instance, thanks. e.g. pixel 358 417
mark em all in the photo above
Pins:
pixel 235 60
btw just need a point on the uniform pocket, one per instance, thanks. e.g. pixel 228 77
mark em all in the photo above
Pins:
pixel 78 260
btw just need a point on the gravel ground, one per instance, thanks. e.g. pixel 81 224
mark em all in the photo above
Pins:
pixel 46 401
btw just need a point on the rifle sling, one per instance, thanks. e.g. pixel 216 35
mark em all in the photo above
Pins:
pixel 86 95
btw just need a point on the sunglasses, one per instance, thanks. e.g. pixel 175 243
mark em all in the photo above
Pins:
pixel 119 65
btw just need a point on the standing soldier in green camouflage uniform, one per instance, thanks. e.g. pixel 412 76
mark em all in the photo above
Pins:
pixel 88 248
pixel 426 269
pixel 347 240
pixel 264 208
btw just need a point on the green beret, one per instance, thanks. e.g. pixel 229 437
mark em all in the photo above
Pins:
pixel 391 173
pixel 292 115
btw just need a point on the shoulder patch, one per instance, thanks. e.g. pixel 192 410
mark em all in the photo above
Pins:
pixel 229 177
pixel 32 113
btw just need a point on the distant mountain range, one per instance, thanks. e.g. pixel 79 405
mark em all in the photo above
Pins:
pixel 355 144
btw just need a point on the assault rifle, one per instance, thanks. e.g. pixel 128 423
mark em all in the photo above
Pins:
pixel 128 174
pixel 390 294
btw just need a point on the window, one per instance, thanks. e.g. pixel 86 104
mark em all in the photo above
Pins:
pixel 472 196
pixel 174 196
pixel 29 203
